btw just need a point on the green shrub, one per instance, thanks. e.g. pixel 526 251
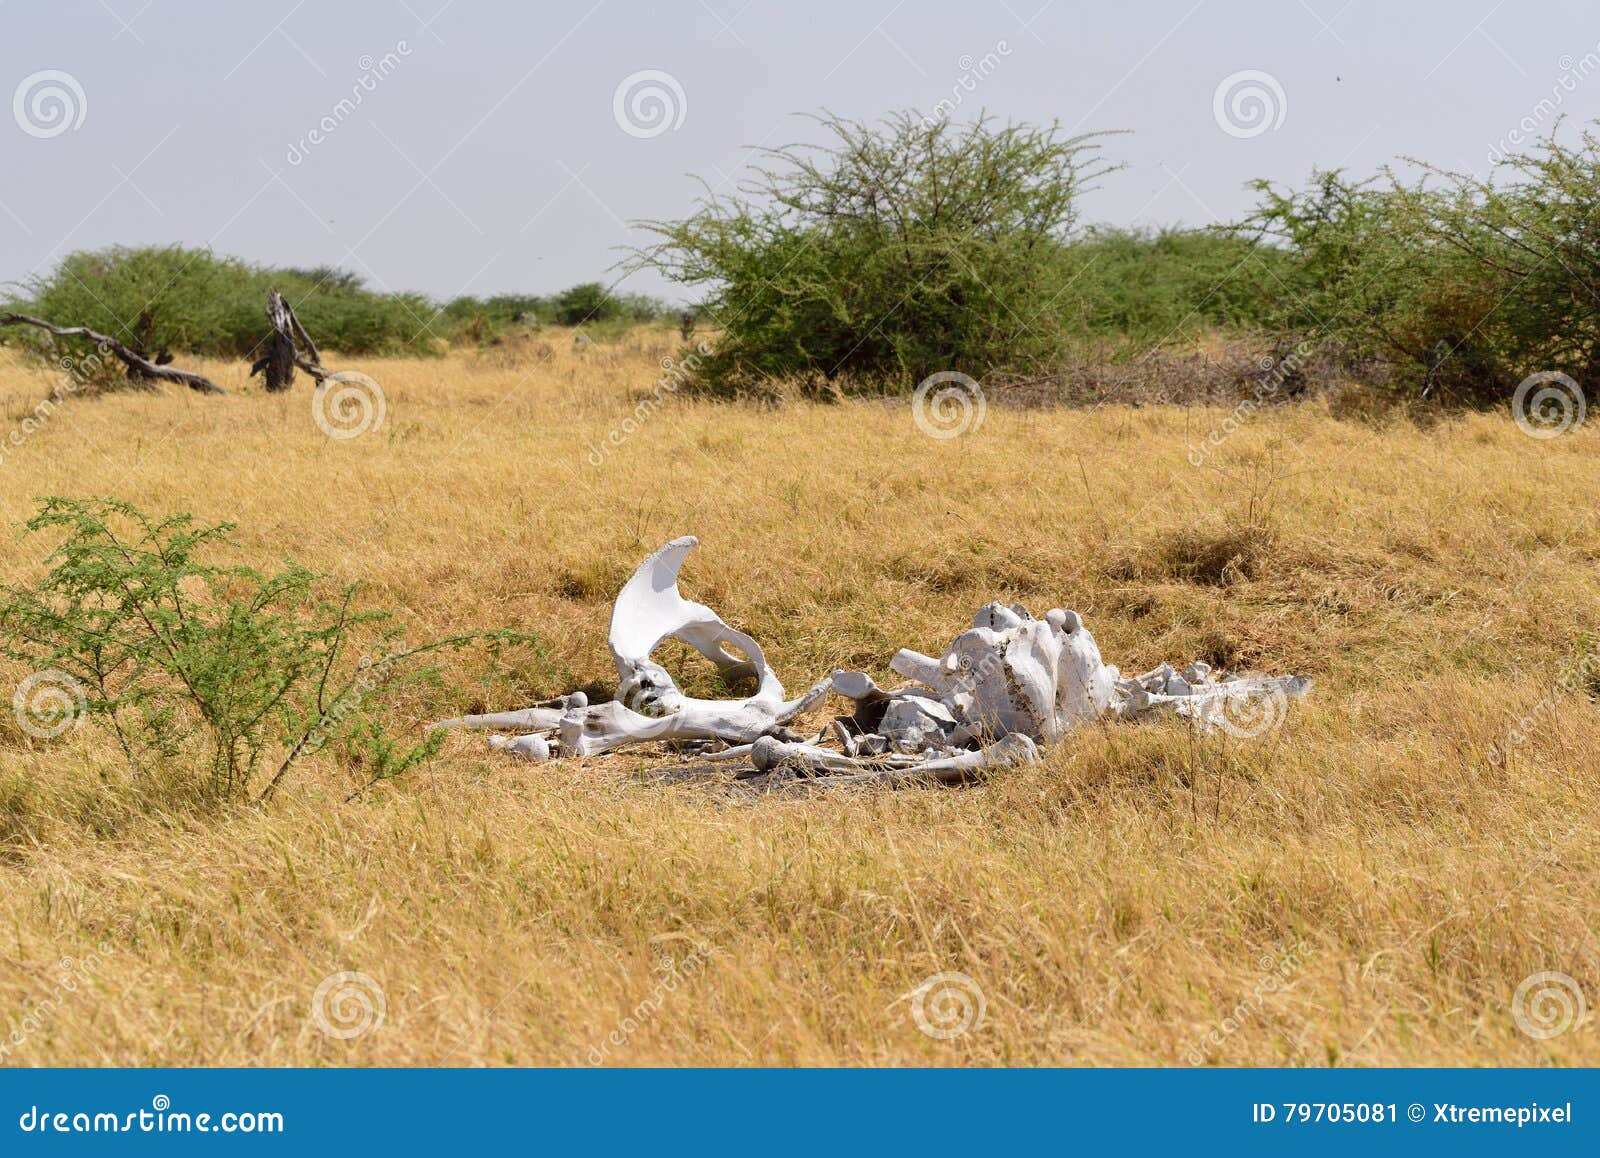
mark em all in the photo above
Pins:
pixel 587 302
pixel 591 302
pixel 897 250
pixel 172 299
pixel 477 320
pixel 1173 283
pixel 1464 285
pixel 205 666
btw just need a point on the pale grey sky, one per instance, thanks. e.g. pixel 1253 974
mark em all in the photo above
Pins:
pixel 488 151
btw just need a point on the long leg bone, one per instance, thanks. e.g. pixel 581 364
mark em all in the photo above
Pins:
pixel 611 725
pixel 544 717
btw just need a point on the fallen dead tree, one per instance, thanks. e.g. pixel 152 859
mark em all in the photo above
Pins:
pixel 135 362
pixel 1001 690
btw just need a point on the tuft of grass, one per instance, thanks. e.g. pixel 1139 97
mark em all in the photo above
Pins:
pixel 1213 556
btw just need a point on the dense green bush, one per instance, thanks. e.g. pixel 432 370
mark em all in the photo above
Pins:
pixel 176 299
pixel 1463 285
pixel 588 304
pixel 897 250
pixel 181 300
pixel 1172 283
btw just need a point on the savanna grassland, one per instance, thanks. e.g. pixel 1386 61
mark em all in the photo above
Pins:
pixel 1120 903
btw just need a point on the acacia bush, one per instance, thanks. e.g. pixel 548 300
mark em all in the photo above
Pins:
pixel 893 251
pixel 1171 284
pixel 173 299
pixel 478 320
pixel 1463 285
pixel 205 667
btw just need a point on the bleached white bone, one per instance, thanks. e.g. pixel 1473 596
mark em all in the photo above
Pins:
pixel 535 747
pixel 1005 685
pixel 649 609
pixel 539 718
pixel 916 723
pixel 611 725
pixel 1204 702
pixel 649 704
pixel 769 752
pixel 957 769
pixel 922 668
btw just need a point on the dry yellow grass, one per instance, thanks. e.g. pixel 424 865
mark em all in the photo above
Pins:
pixel 1115 904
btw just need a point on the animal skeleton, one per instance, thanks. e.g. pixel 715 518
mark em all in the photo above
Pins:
pixel 1001 689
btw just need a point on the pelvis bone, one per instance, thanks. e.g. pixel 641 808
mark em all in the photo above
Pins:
pixel 1006 685
pixel 649 705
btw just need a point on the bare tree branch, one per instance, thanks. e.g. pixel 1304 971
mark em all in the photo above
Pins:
pixel 133 361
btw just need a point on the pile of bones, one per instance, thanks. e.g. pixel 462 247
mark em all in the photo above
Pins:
pixel 1001 689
